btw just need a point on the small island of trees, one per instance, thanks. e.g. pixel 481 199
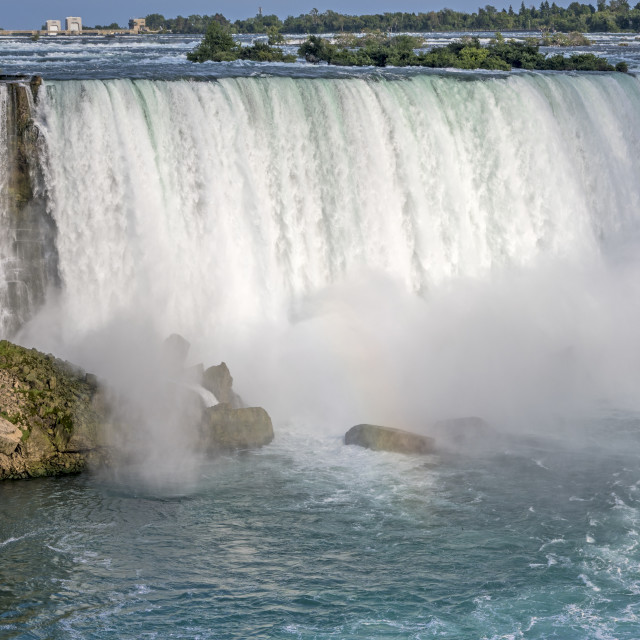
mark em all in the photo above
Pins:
pixel 380 50
pixel 468 53
pixel 218 45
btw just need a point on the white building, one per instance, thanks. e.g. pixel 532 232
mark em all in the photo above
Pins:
pixel 53 26
pixel 73 25
pixel 137 24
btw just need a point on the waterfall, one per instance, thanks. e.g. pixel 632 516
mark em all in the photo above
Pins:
pixel 210 208
pixel 232 199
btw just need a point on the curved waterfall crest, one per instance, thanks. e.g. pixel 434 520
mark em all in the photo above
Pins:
pixel 232 199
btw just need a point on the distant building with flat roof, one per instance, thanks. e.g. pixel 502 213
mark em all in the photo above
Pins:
pixel 137 24
pixel 73 24
pixel 54 26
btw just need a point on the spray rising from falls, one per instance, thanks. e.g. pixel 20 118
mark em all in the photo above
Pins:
pixel 359 249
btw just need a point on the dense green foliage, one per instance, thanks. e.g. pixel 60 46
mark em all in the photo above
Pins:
pixel 399 51
pixel 218 45
pixel 617 15
pixel 192 24
pixel 114 26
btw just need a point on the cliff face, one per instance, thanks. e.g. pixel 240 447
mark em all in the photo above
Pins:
pixel 50 415
pixel 22 139
pixel 27 247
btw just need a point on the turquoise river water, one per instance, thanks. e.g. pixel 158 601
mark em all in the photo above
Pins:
pixel 359 246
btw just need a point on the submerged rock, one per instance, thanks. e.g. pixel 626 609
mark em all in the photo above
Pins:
pixel 381 438
pixel 225 428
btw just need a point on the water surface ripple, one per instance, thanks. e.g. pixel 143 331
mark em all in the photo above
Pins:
pixel 311 539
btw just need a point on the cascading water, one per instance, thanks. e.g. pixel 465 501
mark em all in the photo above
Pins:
pixel 223 202
pixel 230 211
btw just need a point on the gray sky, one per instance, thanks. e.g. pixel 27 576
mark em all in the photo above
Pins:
pixel 31 14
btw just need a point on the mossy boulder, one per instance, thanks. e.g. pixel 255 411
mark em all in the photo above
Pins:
pixel 379 438
pixel 227 429
pixel 53 405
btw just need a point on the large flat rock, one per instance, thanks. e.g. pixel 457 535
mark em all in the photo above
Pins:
pixel 380 438
pixel 227 429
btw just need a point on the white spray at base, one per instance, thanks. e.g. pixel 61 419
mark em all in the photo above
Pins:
pixel 391 251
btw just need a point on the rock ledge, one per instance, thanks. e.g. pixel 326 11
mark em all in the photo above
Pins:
pixel 380 438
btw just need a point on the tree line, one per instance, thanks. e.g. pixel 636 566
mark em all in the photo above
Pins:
pixel 616 16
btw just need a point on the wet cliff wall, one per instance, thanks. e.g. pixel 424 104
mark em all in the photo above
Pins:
pixel 28 262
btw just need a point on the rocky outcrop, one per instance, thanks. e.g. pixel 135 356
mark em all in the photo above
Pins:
pixel 22 140
pixel 228 425
pixel 29 258
pixel 226 429
pixel 218 380
pixel 50 417
pixel 381 438
pixel 55 419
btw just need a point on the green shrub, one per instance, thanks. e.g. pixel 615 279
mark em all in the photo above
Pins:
pixel 316 49
pixel 217 44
